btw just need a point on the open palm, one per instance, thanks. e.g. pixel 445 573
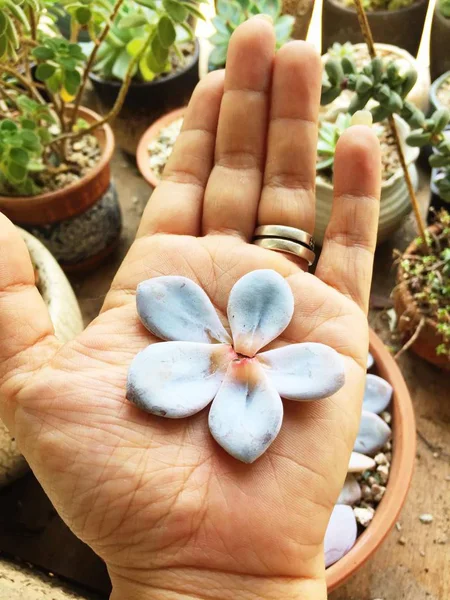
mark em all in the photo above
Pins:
pixel 170 512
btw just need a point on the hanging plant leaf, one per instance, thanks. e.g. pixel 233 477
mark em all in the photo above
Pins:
pixel 72 81
pixel 44 71
pixel 176 11
pixel 166 31
pixel 20 156
pixel 43 53
pixel 83 15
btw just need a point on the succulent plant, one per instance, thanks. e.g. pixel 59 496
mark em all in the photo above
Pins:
pixel 374 5
pixel 329 134
pixel 231 13
pixel 203 364
pixel 166 24
pixel 444 8
pixel 338 50
pixel 385 87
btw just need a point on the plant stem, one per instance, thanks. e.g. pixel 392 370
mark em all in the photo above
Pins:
pixel 367 34
pixel 119 100
pixel 91 61
pixel 23 80
pixel 33 24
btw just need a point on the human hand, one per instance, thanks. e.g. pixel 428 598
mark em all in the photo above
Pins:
pixel 173 516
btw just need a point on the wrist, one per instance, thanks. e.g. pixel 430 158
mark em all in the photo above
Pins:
pixel 190 584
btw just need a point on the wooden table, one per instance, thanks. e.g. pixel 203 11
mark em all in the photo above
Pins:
pixel 418 570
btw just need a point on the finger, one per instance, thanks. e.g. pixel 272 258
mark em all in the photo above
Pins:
pixel 347 256
pixel 234 188
pixel 290 170
pixel 176 204
pixel 26 336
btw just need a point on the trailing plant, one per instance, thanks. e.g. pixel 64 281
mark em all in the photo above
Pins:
pixel 43 76
pixel 427 275
pixel 444 8
pixel 384 87
pixel 374 5
pixel 231 13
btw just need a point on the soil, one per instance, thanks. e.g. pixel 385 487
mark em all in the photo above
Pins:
pixel 390 162
pixel 443 93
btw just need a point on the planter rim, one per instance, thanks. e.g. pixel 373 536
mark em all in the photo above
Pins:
pixel 142 155
pixel 379 12
pixel 401 52
pixel 55 195
pixel 401 470
pixel 413 156
pixel 154 83
pixel 435 86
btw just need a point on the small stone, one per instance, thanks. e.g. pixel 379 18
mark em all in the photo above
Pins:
pixel 398 526
pixel 426 518
pixel 389 457
pixel 388 446
pixel 422 553
pixel 378 492
pixel 77 146
pixel 447 478
pixel 372 481
pixel 402 541
pixel 436 454
pixel 383 472
pixel 386 416
pixel 364 516
pixel 366 492
pixel 442 538
pixel 381 459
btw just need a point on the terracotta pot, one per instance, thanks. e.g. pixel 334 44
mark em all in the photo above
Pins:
pixel 81 223
pixel 419 95
pixel 403 456
pixel 409 317
pixel 146 101
pixel 142 156
pixel 402 27
pixel 67 321
pixel 439 44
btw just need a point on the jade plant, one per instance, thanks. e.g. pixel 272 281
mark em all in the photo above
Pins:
pixel 385 87
pixel 444 8
pixel 43 77
pixel 231 13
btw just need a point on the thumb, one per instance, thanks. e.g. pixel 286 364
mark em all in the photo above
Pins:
pixel 27 339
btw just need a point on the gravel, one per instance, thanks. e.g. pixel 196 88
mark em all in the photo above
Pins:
pixel 160 149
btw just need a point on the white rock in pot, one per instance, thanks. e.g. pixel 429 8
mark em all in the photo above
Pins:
pixel 351 491
pixel 373 434
pixel 341 533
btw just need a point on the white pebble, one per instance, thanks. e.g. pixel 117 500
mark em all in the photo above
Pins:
pixel 383 471
pixel 426 518
pixel 364 515
pixel 381 459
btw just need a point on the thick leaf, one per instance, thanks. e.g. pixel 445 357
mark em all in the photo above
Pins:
pixel 43 53
pixel 175 10
pixel 30 141
pixel 16 173
pixel 221 26
pixel 83 15
pixel 135 46
pixel 177 379
pixel 193 10
pixel 247 413
pixel 340 535
pixel 176 308
pixel 121 65
pixel 260 308
pixel 44 71
pixel 166 31
pixel 20 156
pixel 133 20
pixel 72 81
pixel 3 45
pixel 3 23
pixel 305 371
pixel 76 51
pixel 160 53
pixel 8 125
pixel 218 56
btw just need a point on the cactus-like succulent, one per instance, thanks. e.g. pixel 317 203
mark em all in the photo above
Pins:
pixel 444 8
pixel 231 13
pixel 386 87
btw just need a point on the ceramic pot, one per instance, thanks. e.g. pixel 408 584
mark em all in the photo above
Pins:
pixel 67 321
pixel 436 202
pixel 434 100
pixel 439 44
pixel 146 101
pixel 402 27
pixel 81 223
pixel 402 466
pixel 419 95
pixel 142 155
pixel 301 10
pixel 395 203
pixel 409 317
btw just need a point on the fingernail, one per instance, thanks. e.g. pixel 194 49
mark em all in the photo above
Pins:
pixel 362 117
pixel 265 17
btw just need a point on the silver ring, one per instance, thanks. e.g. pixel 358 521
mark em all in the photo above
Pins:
pixel 288 246
pixel 284 232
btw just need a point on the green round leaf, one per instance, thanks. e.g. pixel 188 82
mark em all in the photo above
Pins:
pixel 176 10
pixel 76 51
pixel 28 124
pixel 20 156
pixel 166 31
pixel 16 173
pixel 154 66
pixel 3 22
pixel 72 81
pixel 30 141
pixel 43 53
pixel 83 15
pixel 159 52
pixel 218 56
pixel 8 125
pixel 45 71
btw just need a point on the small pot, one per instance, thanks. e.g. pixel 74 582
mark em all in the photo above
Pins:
pixel 301 10
pixel 409 317
pixel 395 203
pixel 434 100
pixel 439 44
pixel 67 321
pixel 147 101
pixel 436 202
pixel 142 155
pixel 81 223
pixel 403 457
pixel 402 27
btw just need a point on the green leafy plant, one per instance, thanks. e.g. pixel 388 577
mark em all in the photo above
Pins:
pixel 231 13
pixel 444 8
pixel 374 5
pixel 338 50
pixel 385 87
pixel 329 134
pixel 166 26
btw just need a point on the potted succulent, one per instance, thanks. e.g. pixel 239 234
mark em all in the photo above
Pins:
pixel 166 73
pixel 395 203
pixel 440 92
pixel 359 55
pixel 231 13
pixel 387 19
pixel 440 34
pixel 67 321
pixel 421 297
